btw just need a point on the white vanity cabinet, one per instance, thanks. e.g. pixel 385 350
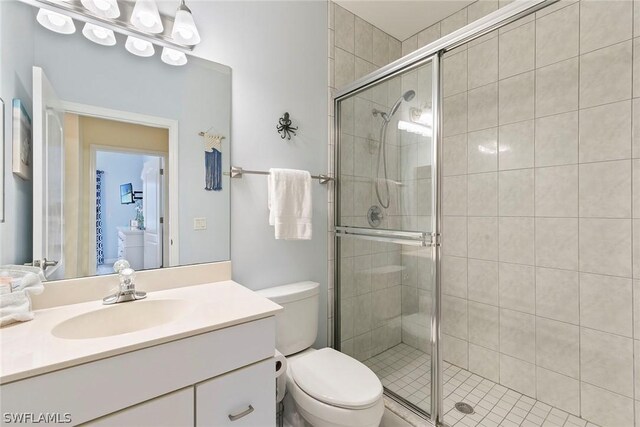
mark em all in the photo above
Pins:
pixel 172 410
pixel 131 246
pixel 208 379
pixel 241 398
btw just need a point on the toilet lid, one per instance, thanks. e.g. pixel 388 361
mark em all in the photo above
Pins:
pixel 336 379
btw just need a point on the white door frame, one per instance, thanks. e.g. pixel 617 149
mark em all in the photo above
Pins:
pixel 146 120
pixel 93 150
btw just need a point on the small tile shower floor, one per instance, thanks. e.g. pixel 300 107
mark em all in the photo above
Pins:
pixel 407 372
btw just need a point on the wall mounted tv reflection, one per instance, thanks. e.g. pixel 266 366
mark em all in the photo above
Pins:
pixel 126 194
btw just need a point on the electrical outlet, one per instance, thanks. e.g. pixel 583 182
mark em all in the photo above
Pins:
pixel 199 223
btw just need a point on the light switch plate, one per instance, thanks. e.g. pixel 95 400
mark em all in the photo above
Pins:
pixel 199 223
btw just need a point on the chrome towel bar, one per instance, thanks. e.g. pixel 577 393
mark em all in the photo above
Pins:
pixel 237 172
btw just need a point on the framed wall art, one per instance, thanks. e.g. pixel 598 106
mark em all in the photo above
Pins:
pixel 22 143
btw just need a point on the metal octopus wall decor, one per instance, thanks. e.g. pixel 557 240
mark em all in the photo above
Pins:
pixel 284 127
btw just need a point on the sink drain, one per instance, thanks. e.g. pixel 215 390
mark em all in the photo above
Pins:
pixel 465 408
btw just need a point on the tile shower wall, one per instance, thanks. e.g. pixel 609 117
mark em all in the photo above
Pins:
pixel 371 285
pixel 542 205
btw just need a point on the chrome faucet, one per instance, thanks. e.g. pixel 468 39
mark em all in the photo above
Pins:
pixel 127 288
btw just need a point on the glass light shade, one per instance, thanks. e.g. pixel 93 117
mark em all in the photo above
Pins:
pixel 102 8
pixel 184 28
pixel 145 16
pixel 173 57
pixel 139 47
pixel 99 35
pixel 56 22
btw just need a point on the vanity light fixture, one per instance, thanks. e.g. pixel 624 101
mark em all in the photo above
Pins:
pixel 173 57
pixel 99 34
pixel 145 17
pixel 103 8
pixel 415 128
pixel 184 27
pixel 139 47
pixel 56 22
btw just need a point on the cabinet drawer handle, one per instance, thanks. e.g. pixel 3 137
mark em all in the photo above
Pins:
pixel 235 417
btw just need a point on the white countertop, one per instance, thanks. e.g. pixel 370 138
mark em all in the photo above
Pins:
pixel 29 348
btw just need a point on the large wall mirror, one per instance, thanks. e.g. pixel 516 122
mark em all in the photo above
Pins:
pixel 120 167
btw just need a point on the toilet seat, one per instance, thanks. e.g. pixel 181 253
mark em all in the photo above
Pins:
pixel 336 379
pixel 320 414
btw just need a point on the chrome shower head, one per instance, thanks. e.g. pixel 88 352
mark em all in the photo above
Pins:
pixel 407 96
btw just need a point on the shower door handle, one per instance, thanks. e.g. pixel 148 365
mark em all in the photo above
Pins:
pixel 412 238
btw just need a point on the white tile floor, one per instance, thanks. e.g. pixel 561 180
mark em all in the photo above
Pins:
pixel 407 372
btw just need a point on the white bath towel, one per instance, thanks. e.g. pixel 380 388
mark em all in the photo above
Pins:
pixel 289 198
pixel 15 301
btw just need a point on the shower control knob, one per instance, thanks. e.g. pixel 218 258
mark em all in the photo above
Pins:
pixel 375 216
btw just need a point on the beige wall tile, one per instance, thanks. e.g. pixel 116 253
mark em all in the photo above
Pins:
pixel 604 407
pixel 612 255
pixel 481 8
pixel 606 360
pixel 455 114
pixel 516 145
pixel 483 150
pixel 484 362
pixel 516 192
pixel 557 243
pixel 605 132
pixel 483 281
pixel 454 160
pixel 516 98
pixel 557 35
pixel 483 107
pixel 454 317
pixel 556 191
pixel 363 39
pixel 558 347
pixel 484 327
pixel 517 335
pixel 605 75
pixel 558 390
pixel 454 195
pixel 429 35
pixel 605 189
pixel 557 294
pixel 606 304
pixel 454 70
pixel 483 194
pixel 345 29
pixel 454 276
pixel 557 88
pixel 454 239
pixel 483 63
pixel 517 287
pixel 518 375
pixel 556 140
pixel 603 23
pixel 517 50
pixel 453 22
pixel 516 237
pixel 380 41
pixel 455 350
pixel 483 238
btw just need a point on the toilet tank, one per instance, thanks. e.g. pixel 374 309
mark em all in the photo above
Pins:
pixel 297 324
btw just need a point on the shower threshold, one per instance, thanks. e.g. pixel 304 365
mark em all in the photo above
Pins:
pixel 406 372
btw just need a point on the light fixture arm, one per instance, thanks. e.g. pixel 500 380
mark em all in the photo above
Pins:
pixel 183 6
pixel 119 25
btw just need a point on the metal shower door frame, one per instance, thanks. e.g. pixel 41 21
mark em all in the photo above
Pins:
pixel 433 53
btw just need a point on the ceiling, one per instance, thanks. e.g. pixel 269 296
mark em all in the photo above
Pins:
pixel 403 18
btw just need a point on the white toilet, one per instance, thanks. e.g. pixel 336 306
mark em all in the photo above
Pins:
pixel 324 388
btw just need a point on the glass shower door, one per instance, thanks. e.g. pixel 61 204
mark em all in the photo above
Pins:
pixel 384 222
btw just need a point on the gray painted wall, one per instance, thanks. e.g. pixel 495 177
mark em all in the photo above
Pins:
pixel 16 57
pixel 278 53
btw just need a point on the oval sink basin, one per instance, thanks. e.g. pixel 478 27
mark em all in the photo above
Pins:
pixel 121 318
